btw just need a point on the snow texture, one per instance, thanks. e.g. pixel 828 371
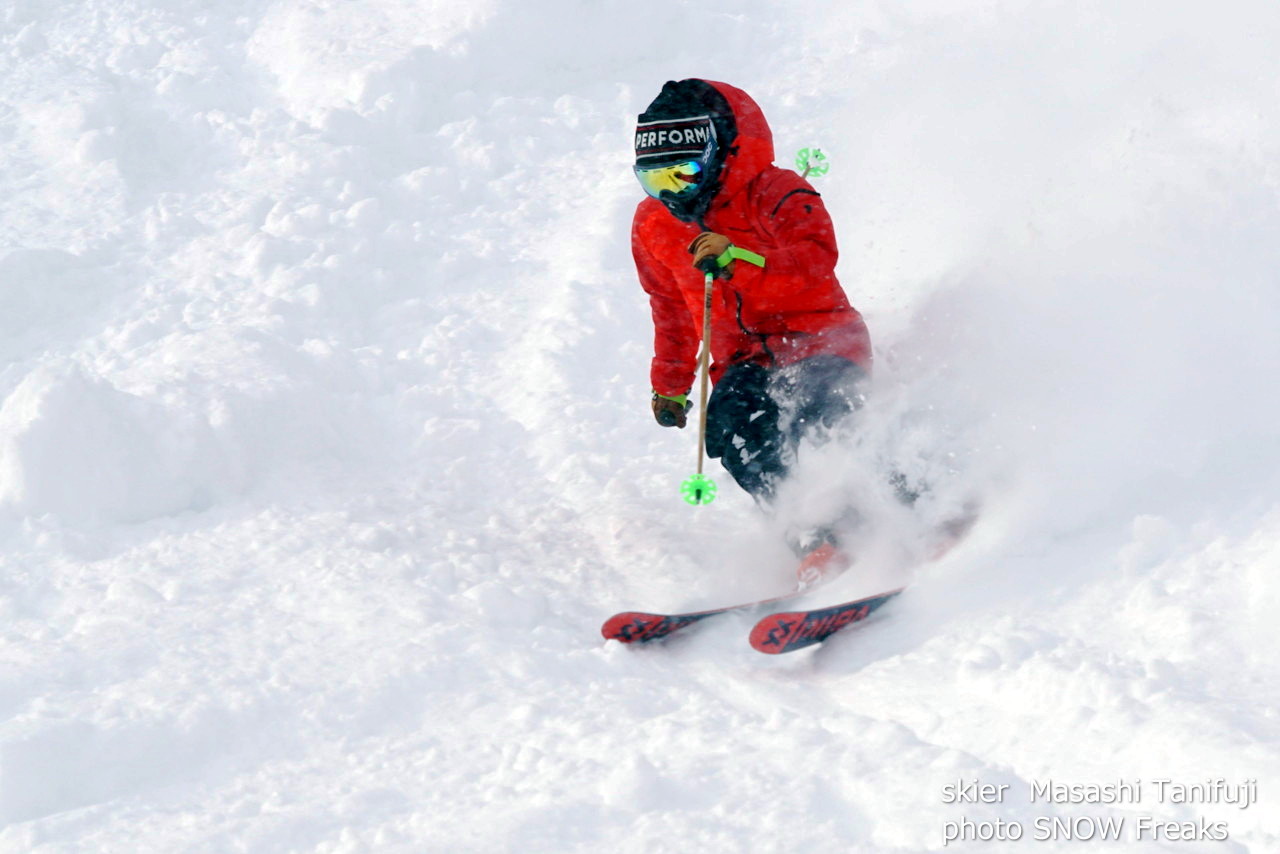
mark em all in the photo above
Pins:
pixel 325 445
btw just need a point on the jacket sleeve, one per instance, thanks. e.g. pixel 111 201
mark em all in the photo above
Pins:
pixel 675 344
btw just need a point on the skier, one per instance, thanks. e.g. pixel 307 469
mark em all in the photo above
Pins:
pixel 788 349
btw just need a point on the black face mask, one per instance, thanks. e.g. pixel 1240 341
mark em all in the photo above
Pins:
pixel 693 208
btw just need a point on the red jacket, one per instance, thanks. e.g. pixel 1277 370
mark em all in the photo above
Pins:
pixel 791 309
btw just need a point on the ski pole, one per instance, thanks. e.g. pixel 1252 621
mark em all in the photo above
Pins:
pixel 698 488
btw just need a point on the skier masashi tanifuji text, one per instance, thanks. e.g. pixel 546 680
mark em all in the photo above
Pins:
pixel 788 350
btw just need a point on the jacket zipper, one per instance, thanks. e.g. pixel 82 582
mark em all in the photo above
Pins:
pixel 764 339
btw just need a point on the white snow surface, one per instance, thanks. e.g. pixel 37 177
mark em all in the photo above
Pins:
pixel 325 445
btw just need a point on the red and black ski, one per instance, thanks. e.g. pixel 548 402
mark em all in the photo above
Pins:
pixel 820 565
pixel 787 632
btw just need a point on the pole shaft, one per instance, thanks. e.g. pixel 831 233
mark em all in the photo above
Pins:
pixel 704 368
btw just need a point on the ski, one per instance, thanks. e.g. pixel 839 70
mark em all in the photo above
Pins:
pixel 792 630
pixel 818 566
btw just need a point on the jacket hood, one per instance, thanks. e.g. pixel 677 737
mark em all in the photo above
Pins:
pixel 752 150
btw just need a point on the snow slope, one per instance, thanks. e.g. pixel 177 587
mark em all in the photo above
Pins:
pixel 324 442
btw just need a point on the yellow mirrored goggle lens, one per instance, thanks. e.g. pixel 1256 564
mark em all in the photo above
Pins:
pixel 678 178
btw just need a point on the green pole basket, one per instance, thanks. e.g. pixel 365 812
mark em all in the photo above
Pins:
pixel 811 161
pixel 698 489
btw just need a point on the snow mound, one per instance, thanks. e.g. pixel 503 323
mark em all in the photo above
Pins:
pixel 78 448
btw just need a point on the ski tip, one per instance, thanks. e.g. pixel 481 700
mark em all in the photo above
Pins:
pixel 640 627
pixel 628 626
pixel 771 635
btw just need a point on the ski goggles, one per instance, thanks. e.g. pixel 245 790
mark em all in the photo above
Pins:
pixel 677 179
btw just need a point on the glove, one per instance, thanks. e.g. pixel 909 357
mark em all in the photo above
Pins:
pixel 706 248
pixel 670 411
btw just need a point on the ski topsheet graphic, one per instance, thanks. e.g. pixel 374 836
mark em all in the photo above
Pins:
pixel 792 630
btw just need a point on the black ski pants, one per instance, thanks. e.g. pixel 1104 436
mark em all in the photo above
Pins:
pixel 757 416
